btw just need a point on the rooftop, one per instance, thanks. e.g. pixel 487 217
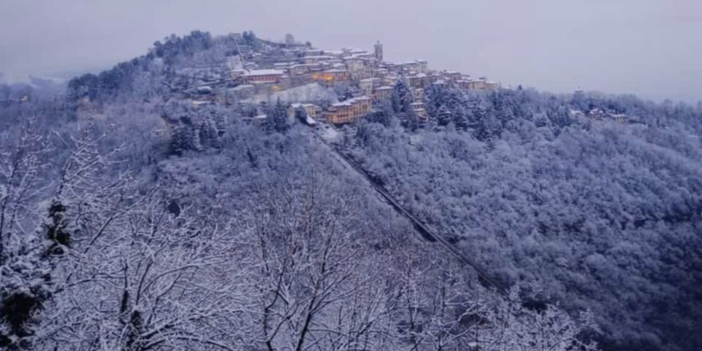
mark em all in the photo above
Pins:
pixel 264 72
pixel 350 102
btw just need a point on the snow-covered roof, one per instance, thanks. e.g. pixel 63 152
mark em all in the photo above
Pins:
pixel 297 104
pixel 334 52
pixel 385 88
pixel 350 102
pixel 414 62
pixel 197 103
pixel 319 57
pixel 264 72
pixel 306 65
pixel 242 87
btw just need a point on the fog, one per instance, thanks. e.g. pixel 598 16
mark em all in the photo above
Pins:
pixel 646 47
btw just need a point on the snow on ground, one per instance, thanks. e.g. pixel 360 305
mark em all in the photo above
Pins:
pixel 329 133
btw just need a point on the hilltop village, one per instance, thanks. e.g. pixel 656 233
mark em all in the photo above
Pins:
pixel 336 86
pixel 312 85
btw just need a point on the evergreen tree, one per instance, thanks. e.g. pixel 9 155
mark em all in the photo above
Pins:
pixel 443 116
pixel 277 118
pixel 301 114
pixel 25 281
pixel 401 96
pixel 460 118
pixel 184 138
pixel 412 120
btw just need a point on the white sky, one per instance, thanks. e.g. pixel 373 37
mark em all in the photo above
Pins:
pixel 647 47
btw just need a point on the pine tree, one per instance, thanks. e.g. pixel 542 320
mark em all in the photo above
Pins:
pixel 178 144
pixel 460 118
pixel 25 279
pixel 401 96
pixel 25 285
pixel 278 118
pixel 412 120
pixel 443 116
pixel 301 114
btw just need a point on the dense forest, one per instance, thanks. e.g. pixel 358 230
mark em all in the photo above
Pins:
pixel 132 220
pixel 595 214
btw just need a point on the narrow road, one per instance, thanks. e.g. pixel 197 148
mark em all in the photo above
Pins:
pixel 425 232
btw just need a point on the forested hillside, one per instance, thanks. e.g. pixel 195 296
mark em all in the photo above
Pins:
pixel 595 214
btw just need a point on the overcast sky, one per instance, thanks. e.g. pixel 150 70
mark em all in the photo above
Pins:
pixel 649 47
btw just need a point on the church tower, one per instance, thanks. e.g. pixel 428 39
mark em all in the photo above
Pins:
pixel 379 51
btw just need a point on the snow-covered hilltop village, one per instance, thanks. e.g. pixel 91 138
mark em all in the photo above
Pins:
pixel 337 86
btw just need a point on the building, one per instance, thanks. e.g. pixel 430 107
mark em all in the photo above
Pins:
pixel 316 59
pixel 382 93
pixel 379 51
pixel 464 84
pixel 484 84
pixel 451 76
pixel 313 110
pixel 419 80
pixel 282 66
pixel 490 85
pixel 480 84
pixel 419 110
pixel 332 76
pixel 415 67
pixel 380 73
pixel 391 79
pixel 575 113
pixel 314 52
pixel 620 117
pixel 237 73
pixel 596 114
pixel 418 94
pixel 260 120
pixel 349 110
pixel 263 76
pixel 355 65
pixel 368 85
pixel 300 69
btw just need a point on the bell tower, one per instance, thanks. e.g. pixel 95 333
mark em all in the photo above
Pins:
pixel 379 51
